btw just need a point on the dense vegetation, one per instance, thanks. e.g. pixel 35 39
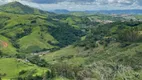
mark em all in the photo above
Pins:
pixel 124 32
pixel 108 52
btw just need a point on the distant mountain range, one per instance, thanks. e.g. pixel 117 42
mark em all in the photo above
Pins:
pixel 130 11
pixel 61 11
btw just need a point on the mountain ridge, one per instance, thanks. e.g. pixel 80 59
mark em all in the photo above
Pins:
pixel 19 8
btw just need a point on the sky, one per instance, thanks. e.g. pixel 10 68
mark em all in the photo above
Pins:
pixel 81 5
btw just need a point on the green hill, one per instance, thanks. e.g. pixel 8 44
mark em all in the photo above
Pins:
pixel 26 32
pixel 18 8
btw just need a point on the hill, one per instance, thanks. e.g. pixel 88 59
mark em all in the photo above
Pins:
pixel 91 12
pixel 18 8
pixel 61 11
pixel 29 33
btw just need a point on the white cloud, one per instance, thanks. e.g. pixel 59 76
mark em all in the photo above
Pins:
pixel 95 5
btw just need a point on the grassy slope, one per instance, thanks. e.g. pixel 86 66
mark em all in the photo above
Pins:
pixel 111 52
pixel 64 54
pixel 34 39
pixel 7 50
pixel 16 7
pixel 68 51
pixel 13 24
pixel 11 67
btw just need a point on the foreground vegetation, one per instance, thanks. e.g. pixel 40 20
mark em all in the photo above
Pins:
pixel 109 52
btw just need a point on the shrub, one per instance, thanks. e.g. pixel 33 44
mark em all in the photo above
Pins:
pixel 38 61
pixel 129 35
pixel 65 70
pixel 22 72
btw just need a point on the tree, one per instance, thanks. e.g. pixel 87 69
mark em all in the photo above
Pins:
pixel 50 74
pixel 38 61
pixel 130 35
pixel 65 70
pixel 0 52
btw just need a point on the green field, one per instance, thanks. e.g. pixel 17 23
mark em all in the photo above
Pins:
pixel 12 66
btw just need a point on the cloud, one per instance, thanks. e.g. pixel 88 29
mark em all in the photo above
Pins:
pixel 87 1
pixel 81 4
pixel 99 2
pixel 58 1
pixel 139 2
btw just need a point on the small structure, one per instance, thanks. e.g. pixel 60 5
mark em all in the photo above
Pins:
pixel 41 53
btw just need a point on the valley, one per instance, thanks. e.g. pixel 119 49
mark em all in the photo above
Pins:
pixel 41 45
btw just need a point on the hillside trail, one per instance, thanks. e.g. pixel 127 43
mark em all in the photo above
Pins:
pixel 4 44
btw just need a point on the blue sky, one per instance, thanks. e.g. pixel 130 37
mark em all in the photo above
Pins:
pixel 81 5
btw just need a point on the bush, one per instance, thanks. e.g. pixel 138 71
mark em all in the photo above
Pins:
pixel 129 35
pixel 65 70
pixel 22 72
pixel 50 74
pixel 0 52
pixel 38 61
pixel 124 44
